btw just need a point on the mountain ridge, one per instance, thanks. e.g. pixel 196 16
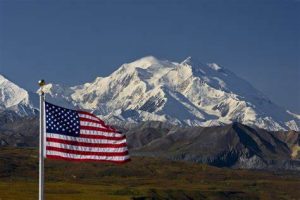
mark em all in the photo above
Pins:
pixel 187 93
pixel 234 145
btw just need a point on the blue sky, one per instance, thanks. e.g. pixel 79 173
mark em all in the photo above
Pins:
pixel 72 42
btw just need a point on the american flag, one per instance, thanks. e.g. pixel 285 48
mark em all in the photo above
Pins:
pixel 82 136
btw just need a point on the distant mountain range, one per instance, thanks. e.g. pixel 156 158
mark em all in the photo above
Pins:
pixel 189 93
pixel 234 145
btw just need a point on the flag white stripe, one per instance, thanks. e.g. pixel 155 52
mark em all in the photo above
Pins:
pixel 86 149
pixel 93 157
pixel 87 140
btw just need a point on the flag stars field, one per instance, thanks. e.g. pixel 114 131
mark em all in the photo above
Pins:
pixel 61 120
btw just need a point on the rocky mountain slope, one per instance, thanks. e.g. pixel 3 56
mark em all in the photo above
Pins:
pixel 235 145
pixel 18 131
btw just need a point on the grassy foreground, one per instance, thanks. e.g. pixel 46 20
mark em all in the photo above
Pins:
pixel 142 178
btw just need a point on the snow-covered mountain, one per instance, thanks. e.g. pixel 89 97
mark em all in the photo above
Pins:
pixel 14 99
pixel 187 93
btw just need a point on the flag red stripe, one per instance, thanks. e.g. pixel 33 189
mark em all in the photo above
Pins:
pixel 93 157
pixel 101 137
pixel 49 148
pixel 82 119
pixel 87 140
pixel 99 129
pixel 90 120
pixel 85 144
pixel 97 122
pixel 87 113
pixel 82 148
pixel 100 121
pixel 90 114
pixel 108 134
pixel 86 160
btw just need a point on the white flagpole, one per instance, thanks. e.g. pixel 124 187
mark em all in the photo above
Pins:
pixel 41 143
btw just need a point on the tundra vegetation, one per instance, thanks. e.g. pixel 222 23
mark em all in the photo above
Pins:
pixel 142 178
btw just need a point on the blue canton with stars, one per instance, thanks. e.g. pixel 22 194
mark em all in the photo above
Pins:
pixel 61 120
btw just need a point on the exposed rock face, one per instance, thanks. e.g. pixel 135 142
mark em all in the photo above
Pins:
pixel 18 131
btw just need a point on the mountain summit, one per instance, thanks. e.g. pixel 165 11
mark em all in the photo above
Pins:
pixel 14 98
pixel 187 93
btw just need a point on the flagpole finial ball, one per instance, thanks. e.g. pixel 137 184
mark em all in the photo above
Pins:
pixel 42 83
